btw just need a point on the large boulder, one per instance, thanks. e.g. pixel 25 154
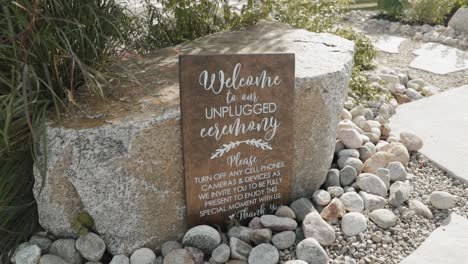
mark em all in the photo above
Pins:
pixel 121 160
pixel 459 20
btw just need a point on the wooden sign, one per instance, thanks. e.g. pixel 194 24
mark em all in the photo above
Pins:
pixel 237 123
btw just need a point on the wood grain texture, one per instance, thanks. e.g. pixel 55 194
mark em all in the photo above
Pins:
pixel 236 174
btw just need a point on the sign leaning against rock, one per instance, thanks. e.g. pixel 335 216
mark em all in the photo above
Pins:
pixel 237 124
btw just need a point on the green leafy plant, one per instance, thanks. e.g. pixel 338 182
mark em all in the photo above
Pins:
pixel 463 3
pixel 365 52
pixel 392 8
pixel 427 11
pixel 48 50
pixel 361 88
pixel 83 223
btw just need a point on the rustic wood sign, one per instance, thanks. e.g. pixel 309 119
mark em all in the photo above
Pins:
pixel 237 123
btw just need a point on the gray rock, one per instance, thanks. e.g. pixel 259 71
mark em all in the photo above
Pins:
pixel 364 153
pixel 221 254
pixel 348 175
pixel 168 246
pixel 321 197
pixel 399 193
pixel 239 249
pixel 255 223
pixel 264 254
pixel 295 261
pixel 413 94
pixel 260 236
pixel 203 237
pixel 383 218
pixel 278 224
pixel 197 255
pixel 142 256
pixel 52 259
pixel 91 246
pixel 352 202
pixel 397 171
pixel 241 232
pixel 355 163
pixel 345 114
pixel 384 175
pixel 442 200
pixel 284 240
pixel 17 249
pixel 411 141
pixel 310 251
pixel 302 207
pixel 314 226
pixel 390 78
pixel 333 178
pixel 65 248
pixel 333 211
pixel 28 255
pixel 348 153
pixel 42 242
pixel 178 256
pixel 357 111
pixel 353 223
pixel 335 191
pixel 372 202
pixel 120 259
pixel 459 20
pixel 77 175
pixel 285 211
pixel 370 183
pixel 350 138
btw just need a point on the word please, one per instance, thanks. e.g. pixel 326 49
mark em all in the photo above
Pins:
pixel 209 81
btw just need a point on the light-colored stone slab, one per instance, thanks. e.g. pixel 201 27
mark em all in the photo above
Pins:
pixel 446 245
pixel 442 122
pixel 387 43
pixel 439 58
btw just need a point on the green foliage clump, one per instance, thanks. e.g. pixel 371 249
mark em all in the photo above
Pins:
pixel 427 11
pixel 48 50
pixel 83 223
pixel 463 3
pixel 392 8
pixel 365 52
pixel 361 87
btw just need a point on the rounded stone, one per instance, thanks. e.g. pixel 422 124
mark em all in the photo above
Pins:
pixel 321 197
pixel 397 171
pixel 221 254
pixel 352 202
pixel 348 175
pixel 442 200
pixel 285 211
pixel 333 178
pixel 383 218
pixel 52 259
pixel 398 152
pixel 355 163
pixel 42 242
pixel 284 239
pixel 203 237
pixel 28 255
pixel 65 248
pixel 310 251
pixel 264 254
pixel 411 141
pixel 168 246
pixel 142 256
pixel 239 249
pixel 376 161
pixel 278 224
pixel 295 261
pixel 91 246
pixel 179 256
pixel 314 226
pixel 120 259
pixel 420 209
pixel 372 184
pixel 335 191
pixel 350 138
pixel 353 223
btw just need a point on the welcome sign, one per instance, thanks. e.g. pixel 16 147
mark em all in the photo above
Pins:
pixel 237 123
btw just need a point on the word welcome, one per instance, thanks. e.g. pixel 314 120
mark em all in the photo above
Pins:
pixel 262 80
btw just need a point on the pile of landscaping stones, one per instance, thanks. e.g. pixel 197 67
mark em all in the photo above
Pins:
pixel 366 21
pixel 399 88
pixel 367 183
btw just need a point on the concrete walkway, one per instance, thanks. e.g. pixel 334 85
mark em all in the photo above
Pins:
pixel 442 122
pixel 448 244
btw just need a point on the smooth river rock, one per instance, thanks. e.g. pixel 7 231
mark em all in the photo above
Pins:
pixel 122 160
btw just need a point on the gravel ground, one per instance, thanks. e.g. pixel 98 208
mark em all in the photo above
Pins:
pixel 392 245
pixel 401 61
